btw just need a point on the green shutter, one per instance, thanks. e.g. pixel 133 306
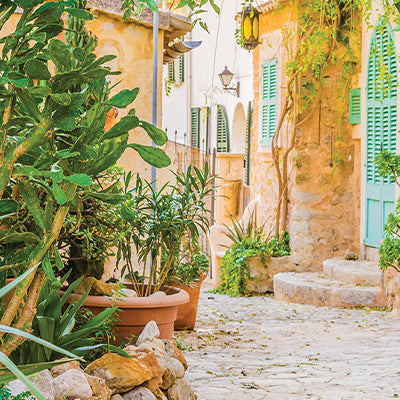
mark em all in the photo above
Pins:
pixel 355 106
pixel 171 71
pixel 207 128
pixel 181 61
pixel 248 140
pixel 222 130
pixel 269 101
pixel 381 130
pixel 195 134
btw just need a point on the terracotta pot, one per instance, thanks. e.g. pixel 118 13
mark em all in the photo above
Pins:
pixel 187 313
pixel 136 312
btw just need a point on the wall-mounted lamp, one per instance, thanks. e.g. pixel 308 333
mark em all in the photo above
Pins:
pixel 226 78
pixel 250 28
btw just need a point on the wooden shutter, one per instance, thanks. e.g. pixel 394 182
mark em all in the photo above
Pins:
pixel 171 71
pixel 195 134
pixel 222 130
pixel 355 106
pixel 381 130
pixel 181 63
pixel 248 137
pixel 269 91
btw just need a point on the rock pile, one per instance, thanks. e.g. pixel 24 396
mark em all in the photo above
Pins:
pixel 155 371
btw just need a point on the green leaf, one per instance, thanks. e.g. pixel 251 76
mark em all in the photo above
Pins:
pixel 14 369
pixel 123 126
pixel 27 3
pixel 26 335
pixel 57 256
pixel 127 213
pixel 10 286
pixel 37 69
pixel 80 179
pixel 63 99
pixel 123 98
pixel 79 54
pixel 59 54
pixel 46 328
pixel 152 155
pixel 67 124
pixel 79 13
pixel 110 198
pixel 32 202
pixel 29 103
pixel 158 136
pixel 48 268
pixel 8 207
pixel 39 91
pixel 58 194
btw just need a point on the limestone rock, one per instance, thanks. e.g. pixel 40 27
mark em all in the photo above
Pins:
pixel 149 359
pixel 178 368
pixel 43 380
pixel 139 393
pixel 129 292
pixel 120 373
pixel 173 351
pixel 181 390
pixel 149 333
pixel 72 384
pixel 160 395
pixel 97 288
pixel 350 255
pixel 60 369
pixel 158 347
pixel 169 377
pixel 99 387
pixel 158 294
pixel 117 397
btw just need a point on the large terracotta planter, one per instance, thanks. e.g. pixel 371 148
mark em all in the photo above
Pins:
pixel 136 312
pixel 187 313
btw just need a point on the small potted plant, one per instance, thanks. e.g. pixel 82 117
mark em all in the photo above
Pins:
pixel 156 224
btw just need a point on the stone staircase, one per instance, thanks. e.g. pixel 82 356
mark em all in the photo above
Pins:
pixel 342 283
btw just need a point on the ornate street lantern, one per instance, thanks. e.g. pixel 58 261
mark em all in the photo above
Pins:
pixel 250 28
pixel 226 78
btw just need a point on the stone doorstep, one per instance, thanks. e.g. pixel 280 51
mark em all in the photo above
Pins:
pixel 316 289
pixel 353 272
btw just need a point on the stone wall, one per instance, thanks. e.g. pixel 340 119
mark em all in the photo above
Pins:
pixel 324 188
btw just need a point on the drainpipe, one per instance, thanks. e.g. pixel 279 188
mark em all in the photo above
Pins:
pixel 189 94
pixel 154 94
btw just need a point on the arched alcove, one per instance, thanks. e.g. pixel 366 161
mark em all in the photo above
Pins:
pixel 238 137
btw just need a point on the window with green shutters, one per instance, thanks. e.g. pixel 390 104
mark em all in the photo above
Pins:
pixel 269 89
pixel 195 126
pixel 355 106
pixel 222 130
pixel 381 129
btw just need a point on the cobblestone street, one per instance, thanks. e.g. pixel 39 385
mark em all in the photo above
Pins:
pixel 257 348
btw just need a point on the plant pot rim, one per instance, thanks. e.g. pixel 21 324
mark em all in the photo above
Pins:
pixel 179 297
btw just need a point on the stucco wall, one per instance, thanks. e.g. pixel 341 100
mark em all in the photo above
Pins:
pixel 324 188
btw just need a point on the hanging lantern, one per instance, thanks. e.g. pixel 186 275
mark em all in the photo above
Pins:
pixel 250 28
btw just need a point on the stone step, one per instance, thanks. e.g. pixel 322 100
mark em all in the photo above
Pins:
pixel 361 273
pixel 316 289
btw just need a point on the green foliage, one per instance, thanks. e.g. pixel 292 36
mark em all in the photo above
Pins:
pixel 161 221
pixel 388 164
pixel 60 327
pixel 5 394
pixel 248 242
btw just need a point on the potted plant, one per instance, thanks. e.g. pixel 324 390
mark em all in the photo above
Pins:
pixel 162 226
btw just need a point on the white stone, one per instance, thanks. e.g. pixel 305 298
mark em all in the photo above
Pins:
pixel 71 385
pixel 117 397
pixel 149 333
pixel 43 380
pixel 179 370
pixel 158 294
pixel 181 391
pixel 139 393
